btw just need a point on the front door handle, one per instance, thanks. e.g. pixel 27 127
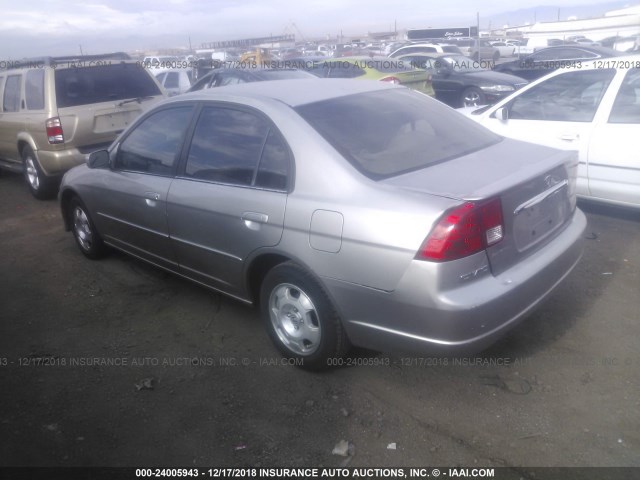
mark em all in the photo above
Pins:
pixel 151 198
pixel 569 137
pixel 152 195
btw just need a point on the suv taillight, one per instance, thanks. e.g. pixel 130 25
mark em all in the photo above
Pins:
pixel 54 130
pixel 465 230
pixel 394 80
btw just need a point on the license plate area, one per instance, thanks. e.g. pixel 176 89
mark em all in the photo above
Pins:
pixel 114 121
pixel 537 222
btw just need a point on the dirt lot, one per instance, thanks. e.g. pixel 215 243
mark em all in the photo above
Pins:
pixel 563 389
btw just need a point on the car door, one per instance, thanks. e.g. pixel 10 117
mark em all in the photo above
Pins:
pixel 230 196
pixel 132 211
pixel 613 160
pixel 558 112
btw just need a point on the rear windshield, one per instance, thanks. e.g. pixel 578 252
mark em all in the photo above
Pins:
pixel 102 83
pixel 276 74
pixel 391 132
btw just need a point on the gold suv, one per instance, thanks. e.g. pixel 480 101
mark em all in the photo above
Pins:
pixel 55 111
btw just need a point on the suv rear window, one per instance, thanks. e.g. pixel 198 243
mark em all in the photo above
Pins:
pixel 391 132
pixel 102 83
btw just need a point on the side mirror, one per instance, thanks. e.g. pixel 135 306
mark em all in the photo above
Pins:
pixel 502 114
pixel 99 159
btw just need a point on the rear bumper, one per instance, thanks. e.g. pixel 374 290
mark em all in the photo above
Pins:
pixel 55 163
pixel 464 319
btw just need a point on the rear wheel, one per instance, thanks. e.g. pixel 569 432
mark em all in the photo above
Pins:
pixel 300 319
pixel 473 97
pixel 40 186
pixel 84 231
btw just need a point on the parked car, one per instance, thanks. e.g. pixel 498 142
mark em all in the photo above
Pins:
pixel 546 60
pixel 57 110
pixel 175 81
pixel 505 49
pixel 231 76
pixel 477 49
pixel 352 213
pixel 370 68
pixel 426 48
pixel 594 109
pixel 460 82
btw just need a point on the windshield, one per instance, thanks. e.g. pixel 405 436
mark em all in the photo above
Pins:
pixel 462 64
pixel 390 132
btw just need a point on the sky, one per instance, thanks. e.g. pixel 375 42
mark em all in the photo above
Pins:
pixel 65 27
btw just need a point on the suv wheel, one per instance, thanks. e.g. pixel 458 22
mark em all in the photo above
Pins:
pixel 300 319
pixel 39 184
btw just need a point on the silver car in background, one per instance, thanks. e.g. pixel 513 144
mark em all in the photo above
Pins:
pixel 352 213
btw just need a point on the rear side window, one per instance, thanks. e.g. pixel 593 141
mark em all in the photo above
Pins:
pixel 11 97
pixel 390 132
pixel 34 89
pixel 226 146
pixel 102 83
pixel 237 147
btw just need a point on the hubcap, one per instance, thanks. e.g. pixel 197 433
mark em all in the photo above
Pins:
pixel 82 229
pixel 294 319
pixel 471 99
pixel 32 173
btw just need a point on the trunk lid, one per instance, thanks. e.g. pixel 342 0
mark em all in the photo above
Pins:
pixel 535 184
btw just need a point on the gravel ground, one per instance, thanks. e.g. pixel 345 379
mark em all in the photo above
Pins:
pixel 115 363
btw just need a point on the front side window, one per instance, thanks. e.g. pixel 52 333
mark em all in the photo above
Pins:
pixel 239 148
pixel 11 97
pixel 154 145
pixel 34 89
pixel 626 108
pixel 568 97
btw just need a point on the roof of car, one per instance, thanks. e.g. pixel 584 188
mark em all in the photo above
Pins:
pixel 290 92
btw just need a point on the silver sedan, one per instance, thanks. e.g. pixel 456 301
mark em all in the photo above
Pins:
pixel 352 213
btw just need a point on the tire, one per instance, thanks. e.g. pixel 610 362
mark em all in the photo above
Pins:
pixel 84 231
pixel 473 97
pixel 40 186
pixel 300 319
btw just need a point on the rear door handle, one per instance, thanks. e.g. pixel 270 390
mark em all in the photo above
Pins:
pixel 253 220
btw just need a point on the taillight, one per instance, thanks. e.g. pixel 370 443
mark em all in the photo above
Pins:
pixel 54 130
pixel 394 80
pixel 465 230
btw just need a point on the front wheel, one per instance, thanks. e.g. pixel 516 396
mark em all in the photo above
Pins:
pixel 40 186
pixel 473 97
pixel 300 319
pixel 84 231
